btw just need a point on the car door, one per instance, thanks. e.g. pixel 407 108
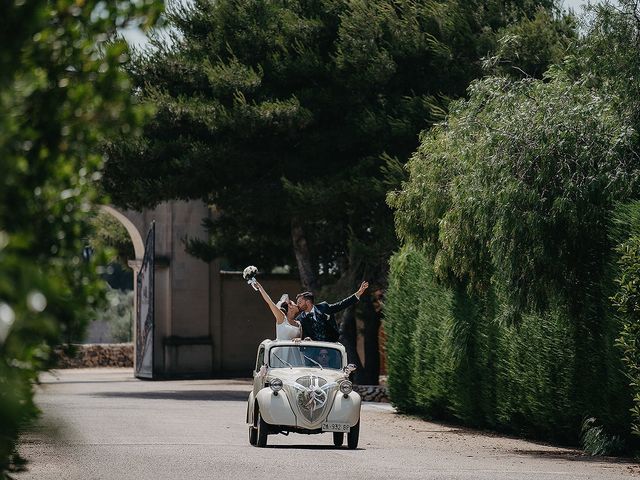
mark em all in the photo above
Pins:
pixel 259 372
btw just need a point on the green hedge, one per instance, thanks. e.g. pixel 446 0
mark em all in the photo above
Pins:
pixel 627 298
pixel 454 356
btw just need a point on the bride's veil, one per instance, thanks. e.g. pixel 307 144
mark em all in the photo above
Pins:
pixel 283 299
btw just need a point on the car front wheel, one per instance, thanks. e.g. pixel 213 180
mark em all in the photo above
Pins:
pixel 338 439
pixel 253 435
pixel 353 435
pixel 262 432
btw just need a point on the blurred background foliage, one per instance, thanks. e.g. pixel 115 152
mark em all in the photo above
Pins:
pixel 62 92
pixel 519 222
pixel 113 323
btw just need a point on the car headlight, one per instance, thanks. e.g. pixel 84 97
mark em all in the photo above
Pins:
pixel 276 385
pixel 346 387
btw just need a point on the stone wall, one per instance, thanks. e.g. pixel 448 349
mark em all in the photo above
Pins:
pixel 372 393
pixel 97 355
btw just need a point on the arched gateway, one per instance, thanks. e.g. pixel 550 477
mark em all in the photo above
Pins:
pixel 207 322
pixel 143 293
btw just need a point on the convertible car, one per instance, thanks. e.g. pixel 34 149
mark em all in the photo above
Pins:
pixel 303 387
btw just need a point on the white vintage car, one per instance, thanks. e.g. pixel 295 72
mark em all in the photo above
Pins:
pixel 303 387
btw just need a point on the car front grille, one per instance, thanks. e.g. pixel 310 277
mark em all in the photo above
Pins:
pixel 313 396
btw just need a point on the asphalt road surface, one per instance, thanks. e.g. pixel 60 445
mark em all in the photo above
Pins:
pixel 104 424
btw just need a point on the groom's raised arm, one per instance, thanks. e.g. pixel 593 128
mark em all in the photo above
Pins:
pixel 342 304
pixel 347 302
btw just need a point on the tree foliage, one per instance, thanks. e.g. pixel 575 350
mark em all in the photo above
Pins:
pixel 292 120
pixel 608 58
pixel 62 91
pixel 283 115
pixel 526 49
pixel 511 201
pixel 516 188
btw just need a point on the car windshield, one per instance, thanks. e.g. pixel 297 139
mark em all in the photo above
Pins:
pixel 305 356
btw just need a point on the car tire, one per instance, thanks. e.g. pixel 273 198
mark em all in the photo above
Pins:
pixel 353 435
pixel 338 439
pixel 253 435
pixel 262 432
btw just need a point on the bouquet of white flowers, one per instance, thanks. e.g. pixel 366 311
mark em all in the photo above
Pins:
pixel 249 274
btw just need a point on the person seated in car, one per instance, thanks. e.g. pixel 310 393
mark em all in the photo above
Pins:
pixel 323 357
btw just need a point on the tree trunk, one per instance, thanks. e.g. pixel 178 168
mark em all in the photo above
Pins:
pixel 308 276
pixel 372 320
pixel 349 337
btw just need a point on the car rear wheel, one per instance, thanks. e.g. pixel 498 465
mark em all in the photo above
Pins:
pixel 338 439
pixel 353 435
pixel 262 432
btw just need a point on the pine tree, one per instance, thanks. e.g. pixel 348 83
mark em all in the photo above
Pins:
pixel 291 118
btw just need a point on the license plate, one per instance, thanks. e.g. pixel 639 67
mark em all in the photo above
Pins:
pixel 335 427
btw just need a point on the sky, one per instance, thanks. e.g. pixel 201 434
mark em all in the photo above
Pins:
pixel 574 4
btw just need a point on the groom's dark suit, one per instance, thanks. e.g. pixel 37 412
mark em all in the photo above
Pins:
pixel 320 323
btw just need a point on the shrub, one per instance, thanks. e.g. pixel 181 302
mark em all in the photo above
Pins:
pixel 457 356
pixel 508 208
pixel 627 300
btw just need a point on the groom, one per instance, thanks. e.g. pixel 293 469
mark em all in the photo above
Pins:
pixel 318 321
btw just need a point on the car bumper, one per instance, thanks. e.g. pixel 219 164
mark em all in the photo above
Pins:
pixel 277 410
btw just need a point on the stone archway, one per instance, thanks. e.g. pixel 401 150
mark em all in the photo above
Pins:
pixel 134 264
pixel 134 234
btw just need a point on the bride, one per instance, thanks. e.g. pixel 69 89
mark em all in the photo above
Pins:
pixel 285 311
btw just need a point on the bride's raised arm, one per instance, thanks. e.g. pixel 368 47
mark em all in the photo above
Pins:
pixel 279 314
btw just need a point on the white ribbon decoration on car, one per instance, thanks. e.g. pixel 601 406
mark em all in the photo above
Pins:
pixel 316 395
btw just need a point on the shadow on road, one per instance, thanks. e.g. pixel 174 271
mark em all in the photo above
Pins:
pixel 310 447
pixel 197 395
pixel 82 382
pixel 573 455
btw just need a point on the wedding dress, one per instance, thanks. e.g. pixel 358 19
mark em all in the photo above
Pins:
pixel 286 331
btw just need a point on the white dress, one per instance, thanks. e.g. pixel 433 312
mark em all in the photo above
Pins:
pixel 286 331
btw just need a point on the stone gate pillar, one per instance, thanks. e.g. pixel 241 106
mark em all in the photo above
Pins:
pixel 182 331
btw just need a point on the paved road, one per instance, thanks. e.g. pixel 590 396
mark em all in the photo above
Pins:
pixel 104 424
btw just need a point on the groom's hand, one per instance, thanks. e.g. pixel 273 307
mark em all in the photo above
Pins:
pixel 363 286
